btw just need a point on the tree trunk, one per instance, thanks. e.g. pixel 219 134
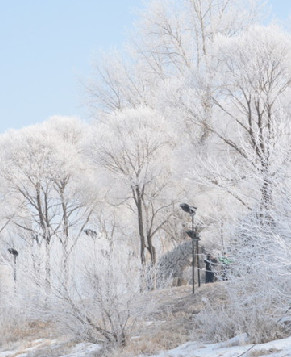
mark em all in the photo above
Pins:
pixel 151 249
pixel 266 194
pixel 138 201
pixel 48 266
pixel 65 265
pixel 65 240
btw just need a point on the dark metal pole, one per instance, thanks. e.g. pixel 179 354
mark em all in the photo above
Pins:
pixel 14 274
pixel 193 265
pixel 194 236
pixel 198 264
pixel 14 252
pixel 221 235
pixel 193 256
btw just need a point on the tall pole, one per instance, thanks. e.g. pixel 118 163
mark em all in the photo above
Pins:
pixel 193 256
pixel 221 235
pixel 193 265
pixel 194 236
pixel 198 264
pixel 14 252
pixel 14 273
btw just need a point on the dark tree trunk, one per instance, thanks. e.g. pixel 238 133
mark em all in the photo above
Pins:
pixel 151 249
pixel 138 202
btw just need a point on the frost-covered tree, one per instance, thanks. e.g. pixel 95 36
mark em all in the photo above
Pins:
pixel 40 165
pixel 26 165
pixel 135 146
pixel 251 111
pixel 172 44
pixel 75 206
pixel 175 36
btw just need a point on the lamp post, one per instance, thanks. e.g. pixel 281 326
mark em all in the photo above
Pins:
pixel 191 210
pixel 14 252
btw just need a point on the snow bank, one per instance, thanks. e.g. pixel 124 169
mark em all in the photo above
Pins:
pixel 45 346
pixel 83 350
pixel 277 348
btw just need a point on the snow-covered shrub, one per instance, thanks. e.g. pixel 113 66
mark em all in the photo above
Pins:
pixel 14 319
pixel 244 311
pixel 258 292
pixel 103 314
pixel 102 304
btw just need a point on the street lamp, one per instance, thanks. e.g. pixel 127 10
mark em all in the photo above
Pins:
pixel 193 234
pixel 189 209
pixel 14 252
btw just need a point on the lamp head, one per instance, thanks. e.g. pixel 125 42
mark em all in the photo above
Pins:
pixel 13 251
pixel 189 209
pixel 193 235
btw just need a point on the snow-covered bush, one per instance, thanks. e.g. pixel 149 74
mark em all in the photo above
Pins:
pixel 103 301
pixel 258 291
pixel 15 319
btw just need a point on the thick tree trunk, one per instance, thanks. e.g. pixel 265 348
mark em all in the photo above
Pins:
pixel 266 189
pixel 48 266
pixel 151 249
pixel 65 240
pixel 141 232
pixel 266 195
pixel 266 199
pixel 138 202
pixel 65 265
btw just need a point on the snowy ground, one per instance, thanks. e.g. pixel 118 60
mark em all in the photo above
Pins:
pixel 47 348
pixel 278 348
